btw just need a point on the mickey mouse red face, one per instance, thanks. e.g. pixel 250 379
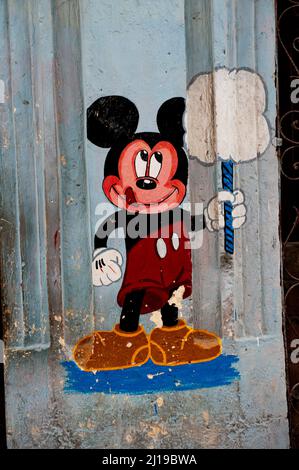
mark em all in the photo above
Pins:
pixel 145 182
pixel 145 172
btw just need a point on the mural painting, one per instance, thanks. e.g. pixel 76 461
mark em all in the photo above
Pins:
pixel 145 178
pixel 217 103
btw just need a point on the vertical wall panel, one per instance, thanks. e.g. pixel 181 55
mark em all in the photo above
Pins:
pixel 269 183
pixel 245 290
pixel 44 89
pixel 203 180
pixel 11 292
pixel 25 159
pixel 251 317
pixel 75 234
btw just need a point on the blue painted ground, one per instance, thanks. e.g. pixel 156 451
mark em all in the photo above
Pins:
pixel 150 378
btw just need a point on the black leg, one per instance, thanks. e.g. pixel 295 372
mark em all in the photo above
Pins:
pixel 129 318
pixel 169 314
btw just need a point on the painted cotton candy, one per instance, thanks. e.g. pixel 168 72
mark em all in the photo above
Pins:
pixel 225 116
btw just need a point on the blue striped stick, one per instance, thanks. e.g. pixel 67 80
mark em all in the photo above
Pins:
pixel 227 169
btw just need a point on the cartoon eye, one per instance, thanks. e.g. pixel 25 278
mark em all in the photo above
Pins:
pixel 155 164
pixel 141 163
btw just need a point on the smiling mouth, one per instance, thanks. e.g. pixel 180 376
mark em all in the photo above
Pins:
pixel 130 198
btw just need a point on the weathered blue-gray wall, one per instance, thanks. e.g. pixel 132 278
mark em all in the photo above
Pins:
pixel 58 57
pixel 246 305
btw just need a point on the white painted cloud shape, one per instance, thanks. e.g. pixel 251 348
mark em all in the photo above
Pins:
pixel 225 116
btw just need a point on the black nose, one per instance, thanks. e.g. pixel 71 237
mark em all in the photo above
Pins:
pixel 146 183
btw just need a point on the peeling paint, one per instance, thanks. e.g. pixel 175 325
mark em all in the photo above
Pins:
pixel 177 297
pixel 156 318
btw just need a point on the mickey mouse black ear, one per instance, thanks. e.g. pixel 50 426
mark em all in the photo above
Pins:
pixel 111 118
pixel 170 119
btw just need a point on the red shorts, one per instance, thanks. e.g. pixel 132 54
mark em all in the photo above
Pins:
pixel 158 266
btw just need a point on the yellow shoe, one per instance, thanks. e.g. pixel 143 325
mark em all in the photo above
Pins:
pixel 109 350
pixel 181 344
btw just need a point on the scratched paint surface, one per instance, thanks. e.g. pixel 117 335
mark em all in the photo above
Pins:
pixel 151 378
pixel 137 49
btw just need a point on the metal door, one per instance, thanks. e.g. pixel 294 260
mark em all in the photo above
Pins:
pixel 58 57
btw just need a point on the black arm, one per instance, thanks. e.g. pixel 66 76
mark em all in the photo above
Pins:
pixel 110 224
pixel 194 222
pixel 197 222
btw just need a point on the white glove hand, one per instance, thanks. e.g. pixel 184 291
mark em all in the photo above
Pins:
pixel 214 213
pixel 106 266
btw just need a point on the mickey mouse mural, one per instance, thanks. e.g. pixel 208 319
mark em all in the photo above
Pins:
pixel 145 176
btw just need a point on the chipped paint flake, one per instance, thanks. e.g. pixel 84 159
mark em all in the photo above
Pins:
pixel 63 160
pixel 156 318
pixel 151 376
pixel 177 297
pixel 160 402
